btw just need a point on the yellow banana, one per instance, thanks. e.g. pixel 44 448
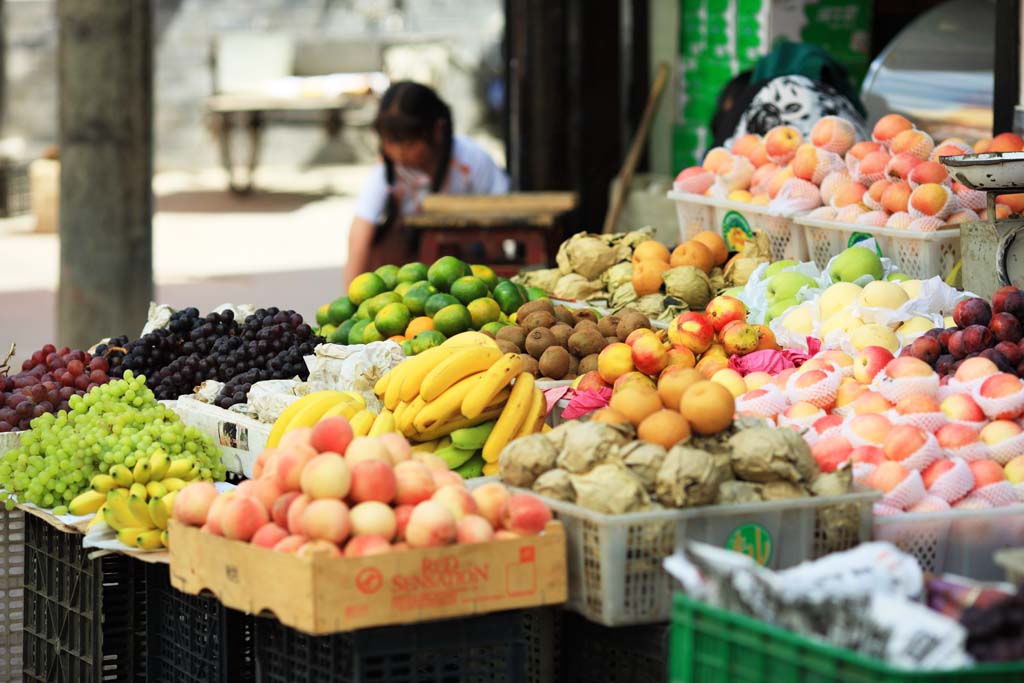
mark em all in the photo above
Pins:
pixel 139 490
pixel 384 423
pixel 168 502
pixel 164 539
pixel 155 489
pixel 122 475
pixel 285 418
pixel 177 469
pixel 381 385
pixel 158 512
pixel 446 404
pixel 102 483
pixel 346 409
pixel 87 503
pixel 98 517
pixel 457 421
pixel 419 367
pixel 173 484
pixel 397 412
pixel 535 415
pixel 194 472
pixel 425 446
pixel 159 462
pixel 404 424
pixel 118 515
pixel 496 378
pixel 140 511
pixel 141 471
pixel 490 469
pixel 470 338
pixel 130 536
pixel 150 540
pixel 511 417
pixel 310 414
pixel 362 421
pixel 391 395
pixel 465 363
pixel 354 397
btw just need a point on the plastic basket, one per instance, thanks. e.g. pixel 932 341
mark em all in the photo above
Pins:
pixel 512 647
pixel 615 572
pixel 85 619
pixel 697 212
pixel 710 645
pixel 1012 560
pixel 194 638
pixel 12 595
pixel 920 255
pixel 624 654
pixel 961 542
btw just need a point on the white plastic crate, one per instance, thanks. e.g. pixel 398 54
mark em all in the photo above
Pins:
pixel 1012 561
pixel 697 212
pixel 962 542
pixel 12 579
pixel 615 572
pixel 920 255
pixel 240 438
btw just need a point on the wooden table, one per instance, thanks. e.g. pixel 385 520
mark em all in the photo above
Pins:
pixel 449 223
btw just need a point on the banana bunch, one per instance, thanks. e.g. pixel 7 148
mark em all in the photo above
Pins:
pixel 319 405
pixel 137 502
pixel 466 390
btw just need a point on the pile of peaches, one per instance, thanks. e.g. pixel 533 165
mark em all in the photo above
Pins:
pixel 323 491
pixel 928 442
pixel 894 180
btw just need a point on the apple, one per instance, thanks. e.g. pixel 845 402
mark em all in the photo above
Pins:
pixel 778 267
pixel 854 263
pixel 723 310
pixel 777 308
pixel 786 285
pixel 869 362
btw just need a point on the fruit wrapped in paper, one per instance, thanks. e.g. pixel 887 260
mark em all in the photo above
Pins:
pixel 585 255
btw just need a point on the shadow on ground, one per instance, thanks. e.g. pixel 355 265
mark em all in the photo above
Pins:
pixel 217 201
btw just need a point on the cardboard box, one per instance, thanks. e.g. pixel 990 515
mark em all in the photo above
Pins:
pixel 326 595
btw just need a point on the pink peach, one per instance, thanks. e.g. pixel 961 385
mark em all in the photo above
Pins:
pixel 473 529
pixel 524 514
pixel 326 519
pixel 430 524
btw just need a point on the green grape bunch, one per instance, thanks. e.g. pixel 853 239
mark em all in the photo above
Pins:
pixel 115 423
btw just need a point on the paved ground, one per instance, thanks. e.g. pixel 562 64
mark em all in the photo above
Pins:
pixel 283 246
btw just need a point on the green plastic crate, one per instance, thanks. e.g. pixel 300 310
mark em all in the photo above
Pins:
pixel 710 645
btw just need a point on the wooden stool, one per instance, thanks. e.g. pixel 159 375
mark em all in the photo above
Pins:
pixel 449 223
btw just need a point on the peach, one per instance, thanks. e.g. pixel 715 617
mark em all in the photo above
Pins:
pixel 717 350
pixel 931 199
pixel 975 368
pixel 216 509
pixel 962 407
pixel 649 355
pixel 744 144
pixel 318 547
pixel 870 427
pixel 731 380
pixel 708 407
pixel 695 179
pixel 873 198
pixel 247 488
pixel 1015 202
pixel 290 544
pixel 889 126
pixel 430 461
pixel 692 253
pixel 365 546
pixel 650 249
pixel 398 447
pixel 614 361
pixel 473 529
pixel 887 476
pixel 267 492
pixel 633 378
pixel 326 476
pixel 333 434
pixel 430 524
pixel 458 500
pixel 717 160
pixel 268 535
pixel 901 165
pixel 849 390
pixel 869 362
pixel 935 470
pixel 402 514
pixel 192 504
pixel 868 454
pixel 766 339
pixel 952 436
pixel 590 381
pixel 1000 385
pixel 448 478
pixel 295 512
pixel 834 134
pixel 261 460
pixel 908 366
pixel 777 180
pixel 609 416
pixel 831 452
pixel 673 382
pixel 872 166
pixel 372 480
pixel 298 436
pixel 801 410
pixel 928 172
pixel 848 194
pixel 692 330
pixel 962 216
pixel 896 197
pixel 870 402
pixel 241 517
pixel 664 427
pixel 756 380
pixel 401 546
pixel 763 173
pixel 490 498
pixel 950 147
pixel 723 310
pixel 636 334
pixel 681 356
pixel 1014 470
pixel 289 465
pixel 413 483
pixel 998 431
pixel 505 535
pixel 917 403
pixel 862 149
pixel 366 448
pixel 326 519
pixel 373 518
pixel 986 472
pixel 1006 142
pixel 903 441
pixel 279 510
pixel 913 141
pixel 781 143
pixel 524 514
pixel 780 380
pixel 805 161
pixel 636 402
pixel 826 423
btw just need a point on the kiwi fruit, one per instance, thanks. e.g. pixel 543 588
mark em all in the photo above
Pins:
pixel 608 324
pixel 584 314
pixel 630 321
pixel 534 306
pixel 587 364
pixel 562 333
pixel 536 319
pixel 554 362
pixel 514 335
pixel 613 340
pixel 586 342
pixel 506 346
pixel 584 324
pixel 574 366
pixel 564 315
pixel 538 341
pixel 530 364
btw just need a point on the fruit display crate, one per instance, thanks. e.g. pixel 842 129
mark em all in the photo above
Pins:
pixel 515 646
pixel 1012 561
pixel 711 645
pixel 620 654
pixel 962 542
pixel 240 438
pixel 12 594
pixel 85 618
pixel 616 576
pixel 698 212
pixel 194 638
pixel 920 255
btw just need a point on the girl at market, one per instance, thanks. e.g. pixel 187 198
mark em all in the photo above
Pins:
pixel 420 154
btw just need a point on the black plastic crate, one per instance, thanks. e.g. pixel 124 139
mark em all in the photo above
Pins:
pixel 621 654
pixel 12 595
pixel 508 647
pixel 85 619
pixel 194 638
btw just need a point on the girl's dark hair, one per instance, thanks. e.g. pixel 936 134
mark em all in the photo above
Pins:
pixel 733 100
pixel 408 112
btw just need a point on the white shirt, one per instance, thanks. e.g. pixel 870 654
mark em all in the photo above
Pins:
pixel 471 171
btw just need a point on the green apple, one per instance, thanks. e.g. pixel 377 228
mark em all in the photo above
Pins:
pixel 734 292
pixel 778 308
pixel 898 277
pixel 774 268
pixel 856 262
pixel 787 284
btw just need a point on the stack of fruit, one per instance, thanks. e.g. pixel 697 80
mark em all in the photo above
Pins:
pixel 47 381
pixel 466 382
pixel 321 490
pixel 321 405
pixel 136 503
pixel 683 271
pixel 894 180
pixel 119 423
pixel 420 307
